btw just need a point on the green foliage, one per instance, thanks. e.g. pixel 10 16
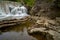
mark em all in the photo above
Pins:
pixel 29 2
pixel 14 0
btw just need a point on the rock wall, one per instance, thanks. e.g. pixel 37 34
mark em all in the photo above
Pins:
pixel 45 8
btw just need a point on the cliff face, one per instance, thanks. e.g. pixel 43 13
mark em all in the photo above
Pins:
pixel 45 8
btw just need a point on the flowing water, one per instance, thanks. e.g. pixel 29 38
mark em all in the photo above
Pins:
pixel 14 12
pixel 18 32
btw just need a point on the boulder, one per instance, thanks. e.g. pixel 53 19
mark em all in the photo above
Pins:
pixel 47 27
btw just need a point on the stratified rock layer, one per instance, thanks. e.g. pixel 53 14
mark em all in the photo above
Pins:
pixel 47 27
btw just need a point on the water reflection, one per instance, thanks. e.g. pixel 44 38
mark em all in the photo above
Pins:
pixel 13 35
pixel 19 32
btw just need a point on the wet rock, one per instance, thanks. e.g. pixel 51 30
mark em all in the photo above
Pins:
pixel 50 34
pixel 47 27
pixel 11 22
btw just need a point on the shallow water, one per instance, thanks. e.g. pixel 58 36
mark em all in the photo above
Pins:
pixel 16 35
pixel 18 32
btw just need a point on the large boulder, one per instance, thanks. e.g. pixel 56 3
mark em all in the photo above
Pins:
pixel 47 27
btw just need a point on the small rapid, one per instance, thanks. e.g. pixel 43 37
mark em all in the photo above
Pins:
pixel 15 13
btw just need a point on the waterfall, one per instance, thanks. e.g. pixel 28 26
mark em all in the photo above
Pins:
pixel 15 13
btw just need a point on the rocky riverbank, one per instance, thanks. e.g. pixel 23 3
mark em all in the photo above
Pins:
pixel 47 27
pixel 44 20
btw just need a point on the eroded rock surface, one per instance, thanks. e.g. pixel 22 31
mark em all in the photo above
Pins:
pixel 46 24
pixel 47 27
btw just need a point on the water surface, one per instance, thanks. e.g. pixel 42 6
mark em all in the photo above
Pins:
pixel 18 32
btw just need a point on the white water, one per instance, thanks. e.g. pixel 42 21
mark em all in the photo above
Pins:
pixel 15 13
